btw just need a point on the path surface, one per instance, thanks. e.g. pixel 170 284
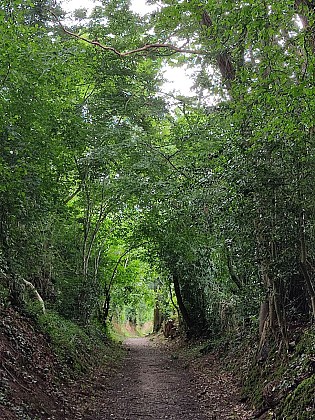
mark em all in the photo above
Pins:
pixel 152 383
pixel 154 378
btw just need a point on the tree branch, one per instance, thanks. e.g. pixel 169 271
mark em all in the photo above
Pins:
pixel 144 48
pixel 167 158
pixel 72 195
pixel 119 261
pixel 38 296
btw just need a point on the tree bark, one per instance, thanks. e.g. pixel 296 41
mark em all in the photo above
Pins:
pixel 263 315
pixel 181 304
pixel 105 308
pixel 232 272
pixel 223 59
pixel 157 319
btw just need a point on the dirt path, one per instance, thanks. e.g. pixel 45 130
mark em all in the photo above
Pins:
pixel 152 383
pixel 152 379
pixel 155 386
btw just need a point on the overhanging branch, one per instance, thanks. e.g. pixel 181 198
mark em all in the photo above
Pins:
pixel 144 48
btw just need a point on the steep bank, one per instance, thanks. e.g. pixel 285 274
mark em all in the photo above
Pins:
pixel 32 379
pixel 37 370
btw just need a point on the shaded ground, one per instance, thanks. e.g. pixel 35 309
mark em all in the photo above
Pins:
pixel 156 379
pixel 154 383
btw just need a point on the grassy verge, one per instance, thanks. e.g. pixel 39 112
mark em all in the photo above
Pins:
pixel 78 348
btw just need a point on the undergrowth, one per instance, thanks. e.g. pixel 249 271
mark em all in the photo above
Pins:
pixel 79 348
pixel 74 347
pixel 280 387
pixel 283 385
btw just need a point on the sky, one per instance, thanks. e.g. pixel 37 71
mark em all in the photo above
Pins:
pixel 178 78
pixel 138 6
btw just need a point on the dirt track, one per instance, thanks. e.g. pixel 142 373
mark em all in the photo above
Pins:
pixel 152 379
pixel 153 384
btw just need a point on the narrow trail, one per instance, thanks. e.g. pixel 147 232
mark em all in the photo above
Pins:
pixel 151 384
pixel 154 386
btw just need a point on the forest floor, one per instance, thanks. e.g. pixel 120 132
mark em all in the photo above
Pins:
pixel 157 380
pixel 153 378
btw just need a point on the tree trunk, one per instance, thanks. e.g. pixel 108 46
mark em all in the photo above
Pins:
pixel 157 319
pixel 305 266
pixel 263 315
pixel 181 305
pixel 36 294
pixel 105 309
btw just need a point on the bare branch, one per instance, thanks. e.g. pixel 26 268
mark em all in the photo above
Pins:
pixel 72 195
pixel 167 158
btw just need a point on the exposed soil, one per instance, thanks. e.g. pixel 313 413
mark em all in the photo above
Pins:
pixel 31 378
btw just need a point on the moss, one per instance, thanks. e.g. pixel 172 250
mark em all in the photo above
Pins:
pixel 300 404
pixel 306 343
pixel 280 371
pixel 253 386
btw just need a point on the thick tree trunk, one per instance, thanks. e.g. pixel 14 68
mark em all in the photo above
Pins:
pixel 223 59
pixel 263 315
pixel 105 309
pixel 181 305
pixel 157 319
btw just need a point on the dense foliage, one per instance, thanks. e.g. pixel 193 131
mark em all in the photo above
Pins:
pixel 115 199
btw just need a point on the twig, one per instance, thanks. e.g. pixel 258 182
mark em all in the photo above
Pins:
pixel 14 379
pixel 168 159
